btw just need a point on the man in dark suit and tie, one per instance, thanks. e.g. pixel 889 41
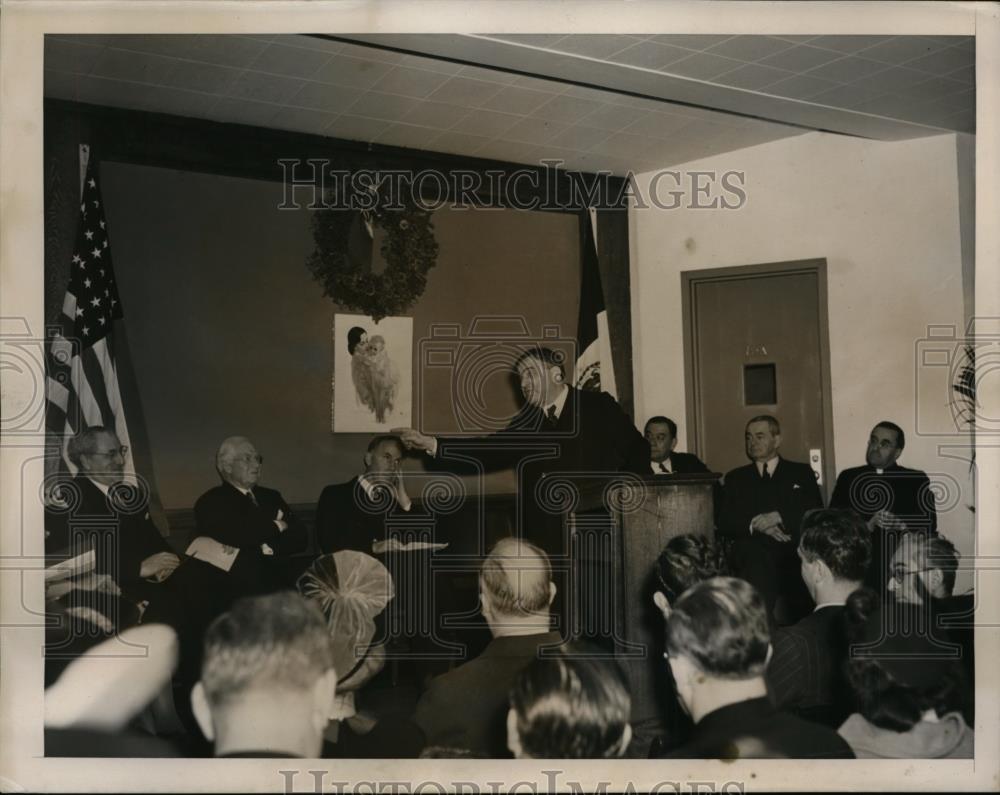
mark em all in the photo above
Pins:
pixel 568 431
pixel 806 674
pixel 352 515
pixel 892 499
pixel 106 515
pixel 562 432
pixel 762 509
pixel 661 433
pixel 256 521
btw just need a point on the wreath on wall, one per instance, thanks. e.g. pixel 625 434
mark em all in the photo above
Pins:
pixel 342 260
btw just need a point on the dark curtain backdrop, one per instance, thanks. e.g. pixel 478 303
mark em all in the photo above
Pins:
pixel 225 331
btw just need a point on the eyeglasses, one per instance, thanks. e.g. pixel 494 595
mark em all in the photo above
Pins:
pixel 111 453
pixel 249 459
pixel 899 573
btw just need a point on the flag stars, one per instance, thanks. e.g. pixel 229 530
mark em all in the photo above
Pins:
pixel 102 224
pixel 96 203
pixel 89 235
pixel 101 320
pixel 86 331
pixel 92 182
pixel 77 258
pixel 79 312
pixel 95 301
pixel 86 283
pixel 96 252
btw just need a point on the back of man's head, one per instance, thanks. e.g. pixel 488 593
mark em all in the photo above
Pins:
pixel 571 705
pixel 516 583
pixel 840 539
pixel 265 651
pixel 720 626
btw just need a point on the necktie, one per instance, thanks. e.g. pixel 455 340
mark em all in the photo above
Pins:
pixel 253 499
pixel 766 475
pixel 663 469
pixel 550 413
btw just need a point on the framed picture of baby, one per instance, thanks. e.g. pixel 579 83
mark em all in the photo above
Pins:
pixel 372 373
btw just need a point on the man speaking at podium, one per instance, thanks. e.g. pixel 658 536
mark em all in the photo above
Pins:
pixel 588 433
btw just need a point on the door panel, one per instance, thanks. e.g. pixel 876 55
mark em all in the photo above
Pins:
pixel 757 346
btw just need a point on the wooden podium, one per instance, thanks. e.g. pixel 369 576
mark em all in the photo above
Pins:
pixel 646 513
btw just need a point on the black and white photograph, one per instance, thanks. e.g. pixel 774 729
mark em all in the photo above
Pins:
pixel 487 397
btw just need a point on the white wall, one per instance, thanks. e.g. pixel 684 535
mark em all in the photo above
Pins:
pixel 885 215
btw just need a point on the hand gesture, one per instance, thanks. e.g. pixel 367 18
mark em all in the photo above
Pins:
pixel 414 439
pixel 770 524
pixel 279 520
pixel 886 520
pixel 400 488
pixel 159 566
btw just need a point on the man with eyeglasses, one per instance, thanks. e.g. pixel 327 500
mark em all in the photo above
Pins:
pixel 254 524
pixel 923 572
pixel 97 510
pixel 892 499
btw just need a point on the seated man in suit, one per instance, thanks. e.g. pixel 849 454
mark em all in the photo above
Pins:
pixel 252 522
pixel 762 508
pixel 806 674
pixel 661 433
pixel 103 513
pixel 351 515
pixel 892 499
pixel 267 680
pixel 718 644
pixel 923 572
pixel 467 708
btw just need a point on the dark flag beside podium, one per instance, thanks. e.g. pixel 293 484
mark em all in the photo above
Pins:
pixel 594 369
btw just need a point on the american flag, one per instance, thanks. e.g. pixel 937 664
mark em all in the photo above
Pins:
pixel 82 383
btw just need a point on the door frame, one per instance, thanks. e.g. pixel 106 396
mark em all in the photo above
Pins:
pixel 691 279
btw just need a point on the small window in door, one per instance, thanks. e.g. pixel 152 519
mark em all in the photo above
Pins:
pixel 760 385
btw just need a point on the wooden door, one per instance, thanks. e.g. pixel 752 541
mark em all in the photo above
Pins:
pixel 757 343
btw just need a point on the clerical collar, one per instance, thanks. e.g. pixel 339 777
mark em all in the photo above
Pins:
pixel 772 464
pixel 558 403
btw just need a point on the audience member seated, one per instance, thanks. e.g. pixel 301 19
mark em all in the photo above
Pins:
pixel 569 706
pixel 923 572
pixel 252 526
pixel 126 546
pixel 267 679
pixel 718 644
pixel 352 515
pixel 661 433
pixel 352 590
pixel 92 708
pixel 685 561
pixel 762 508
pixel 805 674
pixel 890 498
pixel 909 694
pixel 466 708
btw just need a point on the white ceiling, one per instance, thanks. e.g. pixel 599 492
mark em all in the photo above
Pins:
pixel 729 92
